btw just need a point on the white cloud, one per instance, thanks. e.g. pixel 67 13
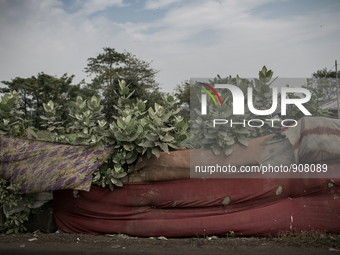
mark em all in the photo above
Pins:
pixel 52 41
pixel 93 6
pixel 242 42
pixel 192 39
pixel 157 4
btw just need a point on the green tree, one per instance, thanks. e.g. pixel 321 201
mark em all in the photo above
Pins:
pixel 23 87
pixel 111 66
pixel 220 138
pixel 324 73
pixel 182 93
pixel 324 81
pixel 40 89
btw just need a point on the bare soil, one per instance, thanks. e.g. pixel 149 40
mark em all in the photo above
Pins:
pixel 39 243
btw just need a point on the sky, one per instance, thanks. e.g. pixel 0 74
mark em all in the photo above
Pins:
pixel 181 39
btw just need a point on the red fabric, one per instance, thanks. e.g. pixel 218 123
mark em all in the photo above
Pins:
pixel 194 207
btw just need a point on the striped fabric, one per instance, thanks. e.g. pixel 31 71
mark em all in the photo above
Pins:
pixel 315 139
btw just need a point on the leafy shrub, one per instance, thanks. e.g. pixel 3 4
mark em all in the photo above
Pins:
pixel 221 137
pixel 89 124
pixel 12 124
pixel 134 132
pixel 314 104
pixel 137 131
pixel 9 196
pixel 53 126
pixel 9 114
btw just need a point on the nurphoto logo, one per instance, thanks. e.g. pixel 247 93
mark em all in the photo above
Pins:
pixel 238 104
pixel 238 99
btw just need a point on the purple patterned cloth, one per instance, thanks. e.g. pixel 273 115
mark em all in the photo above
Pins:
pixel 44 166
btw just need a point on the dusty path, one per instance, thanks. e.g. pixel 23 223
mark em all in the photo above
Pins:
pixel 121 244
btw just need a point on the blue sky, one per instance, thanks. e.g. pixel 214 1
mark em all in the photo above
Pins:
pixel 182 39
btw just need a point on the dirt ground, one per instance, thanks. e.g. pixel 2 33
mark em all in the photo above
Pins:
pixel 39 243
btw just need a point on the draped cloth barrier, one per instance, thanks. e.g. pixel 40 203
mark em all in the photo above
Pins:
pixel 315 139
pixel 201 207
pixel 161 200
pixel 45 166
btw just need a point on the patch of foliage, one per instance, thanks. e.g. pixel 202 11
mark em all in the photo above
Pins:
pixel 221 137
pixel 57 131
pixel 318 89
pixel 9 114
pixel 9 197
pixel 137 131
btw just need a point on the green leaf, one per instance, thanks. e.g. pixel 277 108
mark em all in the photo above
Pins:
pixel 79 100
pixel 10 231
pixel 228 150
pixel 43 117
pixel 130 94
pixel 96 178
pixel 147 144
pixel 176 111
pixel 167 129
pixel 170 98
pixel 243 140
pixel 156 152
pixel 87 121
pixel 181 137
pixel 100 146
pixel 242 130
pixel 180 124
pixel 163 146
pixel 125 90
pixel 129 147
pixel 121 123
pixel 141 105
pixel 151 137
pixel 216 149
pixel 125 101
pixel 119 183
pixel 30 134
pixel 132 159
pixel 78 141
pixel 82 105
pixel 117 167
pixel 167 116
pixel 119 175
pixel 148 153
pixel 167 138
pixel 83 135
pixel 151 113
pixel 134 137
pixel 153 127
